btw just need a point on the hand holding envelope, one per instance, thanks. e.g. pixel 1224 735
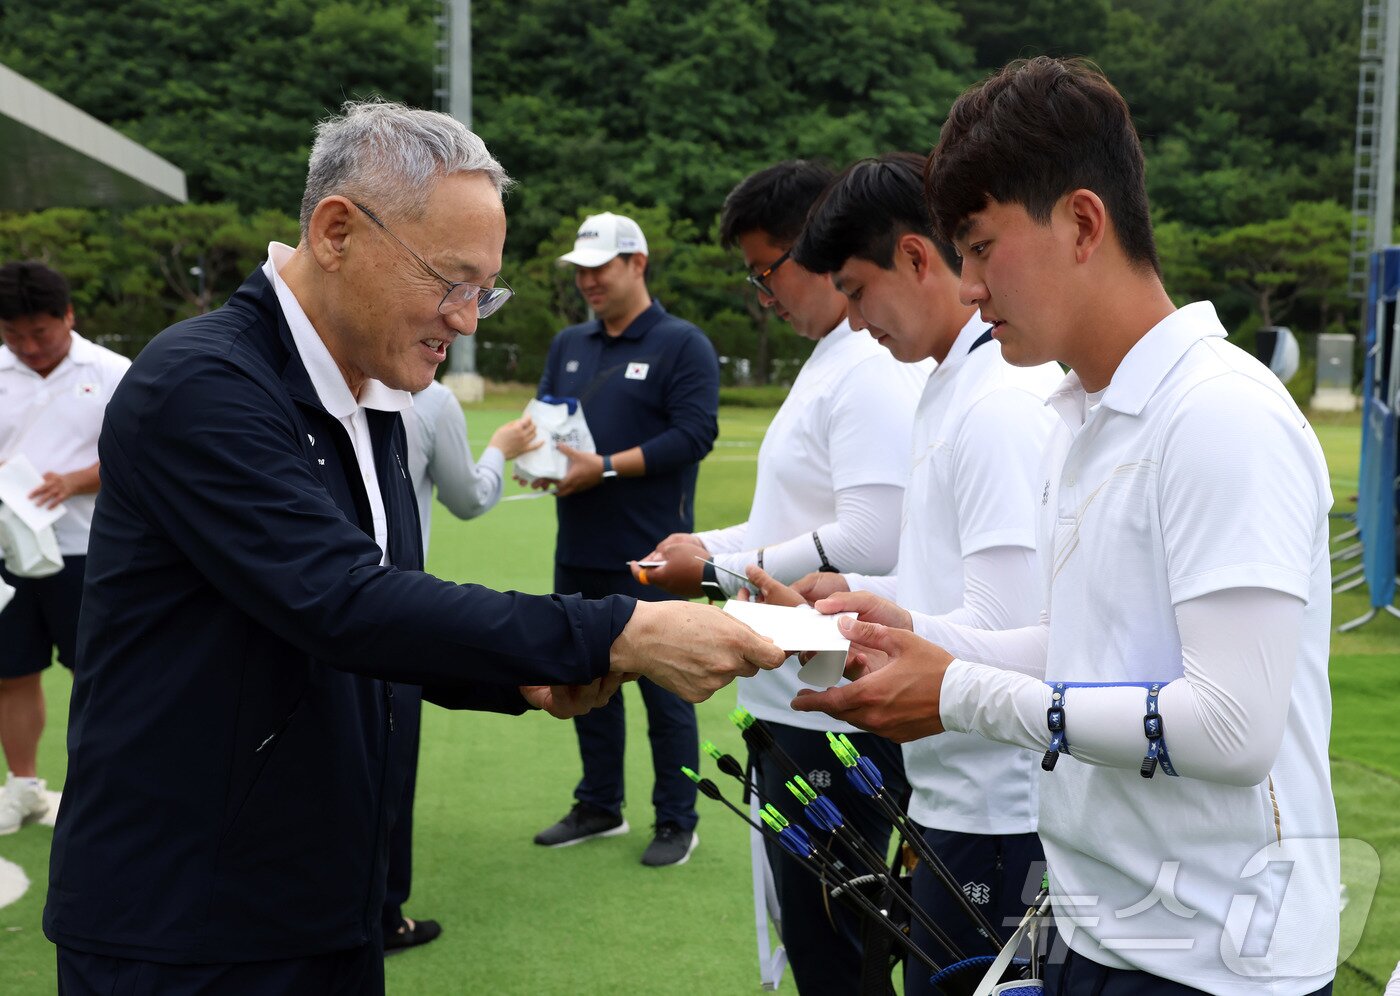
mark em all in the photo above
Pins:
pixel 799 629
pixel 896 677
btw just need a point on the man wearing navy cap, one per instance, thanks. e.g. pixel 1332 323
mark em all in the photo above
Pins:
pixel 649 385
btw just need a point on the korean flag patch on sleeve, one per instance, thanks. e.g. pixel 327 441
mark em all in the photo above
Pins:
pixel 637 371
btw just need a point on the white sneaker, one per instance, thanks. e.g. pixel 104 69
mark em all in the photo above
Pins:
pixel 23 801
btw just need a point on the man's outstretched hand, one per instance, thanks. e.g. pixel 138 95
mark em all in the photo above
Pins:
pixel 897 686
pixel 692 650
pixel 568 701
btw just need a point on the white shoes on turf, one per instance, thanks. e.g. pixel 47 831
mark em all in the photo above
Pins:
pixel 22 801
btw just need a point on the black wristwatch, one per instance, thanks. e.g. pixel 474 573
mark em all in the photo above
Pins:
pixel 608 468
pixel 709 584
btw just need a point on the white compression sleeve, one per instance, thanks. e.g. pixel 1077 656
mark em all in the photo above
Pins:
pixel 861 539
pixel 726 540
pixel 1021 651
pixel 999 584
pixel 1223 720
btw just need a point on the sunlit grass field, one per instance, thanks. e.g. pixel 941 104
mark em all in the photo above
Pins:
pixel 590 919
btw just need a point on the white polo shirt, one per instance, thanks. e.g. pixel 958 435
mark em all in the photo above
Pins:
pixel 978 439
pixel 334 393
pixel 844 424
pixel 55 422
pixel 1195 474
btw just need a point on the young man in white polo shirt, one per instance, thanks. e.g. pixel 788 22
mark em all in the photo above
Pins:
pixel 831 474
pixel 1181 661
pixel 967 532
pixel 54 387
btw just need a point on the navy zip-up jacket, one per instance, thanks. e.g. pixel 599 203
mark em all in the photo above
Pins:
pixel 233 765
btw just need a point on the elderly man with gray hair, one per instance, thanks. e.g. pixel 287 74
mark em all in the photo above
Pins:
pixel 255 613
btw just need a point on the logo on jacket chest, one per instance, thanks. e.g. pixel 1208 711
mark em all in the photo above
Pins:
pixel 637 371
pixel 571 367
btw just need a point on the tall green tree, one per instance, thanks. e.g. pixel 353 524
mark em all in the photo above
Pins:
pixel 229 90
pixel 1300 259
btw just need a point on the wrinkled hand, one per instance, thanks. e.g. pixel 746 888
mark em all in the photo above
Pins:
pixel 585 471
pixel 517 437
pixel 818 585
pixel 899 700
pixel 687 539
pixel 681 572
pixel 692 650
pixel 56 489
pixel 868 607
pixel 568 701
pixel 770 589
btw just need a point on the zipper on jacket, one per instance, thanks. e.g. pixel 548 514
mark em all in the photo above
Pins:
pixel 389 703
pixel 281 727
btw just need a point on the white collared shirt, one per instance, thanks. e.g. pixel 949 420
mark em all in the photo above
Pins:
pixel 55 421
pixel 334 392
pixel 1194 477
pixel 978 439
pixel 844 424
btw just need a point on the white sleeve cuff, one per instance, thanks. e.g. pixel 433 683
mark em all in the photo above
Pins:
pixel 493 459
pixel 999 705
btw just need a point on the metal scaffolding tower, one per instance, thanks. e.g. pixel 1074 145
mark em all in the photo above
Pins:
pixel 1373 179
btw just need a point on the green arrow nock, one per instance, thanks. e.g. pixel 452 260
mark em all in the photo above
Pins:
pixel 774 815
pixel 773 824
pixel 846 742
pixel 800 790
pixel 690 774
pixel 741 718
pixel 709 748
pixel 839 749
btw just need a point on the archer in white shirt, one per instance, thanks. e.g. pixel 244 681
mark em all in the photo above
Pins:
pixel 967 532
pixel 830 482
pixel 1182 537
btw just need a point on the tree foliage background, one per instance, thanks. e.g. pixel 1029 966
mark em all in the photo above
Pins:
pixel 1245 107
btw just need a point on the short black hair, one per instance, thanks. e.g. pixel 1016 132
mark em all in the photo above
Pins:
pixel 864 212
pixel 1032 133
pixel 31 288
pixel 773 200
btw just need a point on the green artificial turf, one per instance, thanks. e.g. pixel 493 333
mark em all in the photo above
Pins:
pixel 590 919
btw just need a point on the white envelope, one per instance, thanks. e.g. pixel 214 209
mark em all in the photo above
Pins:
pixel 554 424
pixel 17 479
pixel 798 629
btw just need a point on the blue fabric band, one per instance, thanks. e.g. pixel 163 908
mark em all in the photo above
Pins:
pixel 1155 733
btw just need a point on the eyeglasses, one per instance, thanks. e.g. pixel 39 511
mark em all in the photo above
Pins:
pixel 459 293
pixel 760 280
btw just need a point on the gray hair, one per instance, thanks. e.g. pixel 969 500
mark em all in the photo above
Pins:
pixel 391 156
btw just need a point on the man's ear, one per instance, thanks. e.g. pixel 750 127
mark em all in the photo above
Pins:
pixel 918 251
pixel 329 233
pixel 1086 212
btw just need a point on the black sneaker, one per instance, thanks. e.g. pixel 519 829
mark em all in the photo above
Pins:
pixel 670 846
pixel 584 822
